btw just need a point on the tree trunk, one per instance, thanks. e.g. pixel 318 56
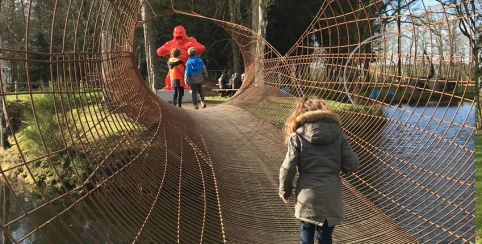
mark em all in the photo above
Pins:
pixel 259 22
pixel 3 108
pixel 399 40
pixel 5 144
pixel 254 15
pixel 105 45
pixel 451 35
pixel 259 18
pixel 478 79
pixel 235 17
pixel 262 17
pixel 154 77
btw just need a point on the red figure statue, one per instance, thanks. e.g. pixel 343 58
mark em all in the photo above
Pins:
pixel 182 41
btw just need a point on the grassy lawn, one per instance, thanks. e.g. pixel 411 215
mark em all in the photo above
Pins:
pixel 216 100
pixel 276 109
pixel 403 94
pixel 478 185
pixel 81 123
pixel 21 97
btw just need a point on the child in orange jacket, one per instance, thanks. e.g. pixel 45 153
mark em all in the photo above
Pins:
pixel 176 72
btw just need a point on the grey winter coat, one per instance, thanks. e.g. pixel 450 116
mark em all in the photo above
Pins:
pixel 320 151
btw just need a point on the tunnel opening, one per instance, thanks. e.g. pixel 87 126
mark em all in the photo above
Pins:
pixel 219 57
pixel 108 161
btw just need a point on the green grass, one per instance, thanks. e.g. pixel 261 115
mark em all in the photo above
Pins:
pixel 215 100
pixel 276 109
pixel 403 94
pixel 478 185
pixel 26 97
pixel 21 97
pixel 82 119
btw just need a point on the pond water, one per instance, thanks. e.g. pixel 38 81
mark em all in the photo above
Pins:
pixel 424 152
pixel 83 220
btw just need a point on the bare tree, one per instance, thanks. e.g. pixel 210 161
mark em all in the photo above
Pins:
pixel 154 77
pixel 5 144
pixel 469 24
pixel 3 108
pixel 478 68
pixel 260 16
pixel 259 21
pixel 235 17
pixel 396 9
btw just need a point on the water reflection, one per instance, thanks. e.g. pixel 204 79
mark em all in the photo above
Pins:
pixel 424 168
pixel 78 224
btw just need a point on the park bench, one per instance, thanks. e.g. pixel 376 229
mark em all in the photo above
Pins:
pixel 225 92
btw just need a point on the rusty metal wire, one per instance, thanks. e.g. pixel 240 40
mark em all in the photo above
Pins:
pixel 150 172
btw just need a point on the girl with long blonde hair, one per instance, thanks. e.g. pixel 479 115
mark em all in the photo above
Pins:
pixel 319 151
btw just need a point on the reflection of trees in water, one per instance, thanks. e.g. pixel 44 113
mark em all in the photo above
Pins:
pixel 409 171
pixel 86 227
pixel 5 198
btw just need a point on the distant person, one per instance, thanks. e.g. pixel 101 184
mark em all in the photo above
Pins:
pixel 237 81
pixel 194 75
pixel 320 151
pixel 242 77
pixel 231 80
pixel 223 83
pixel 176 74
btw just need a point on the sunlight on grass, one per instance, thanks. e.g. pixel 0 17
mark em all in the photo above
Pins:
pixel 77 121
pixel 276 109
pixel 216 100
pixel 26 97
pixel 21 97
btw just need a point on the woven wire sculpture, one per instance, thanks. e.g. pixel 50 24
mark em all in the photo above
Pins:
pixel 146 171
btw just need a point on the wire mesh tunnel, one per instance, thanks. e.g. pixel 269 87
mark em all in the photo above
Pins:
pixel 132 168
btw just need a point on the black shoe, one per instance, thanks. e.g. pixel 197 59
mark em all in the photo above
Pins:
pixel 204 105
pixel 7 145
pixel 195 106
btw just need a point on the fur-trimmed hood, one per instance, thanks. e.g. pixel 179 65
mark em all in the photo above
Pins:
pixel 319 127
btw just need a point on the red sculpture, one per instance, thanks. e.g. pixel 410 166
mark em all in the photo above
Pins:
pixel 182 41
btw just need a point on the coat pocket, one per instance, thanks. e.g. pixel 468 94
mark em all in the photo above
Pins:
pixel 305 200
